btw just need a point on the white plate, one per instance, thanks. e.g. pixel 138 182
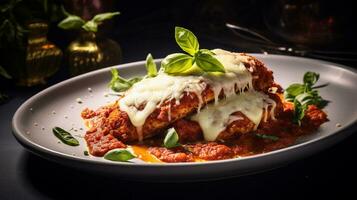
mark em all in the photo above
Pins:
pixel 57 106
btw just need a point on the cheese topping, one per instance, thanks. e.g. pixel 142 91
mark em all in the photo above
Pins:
pixel 147 95
pixel 214 119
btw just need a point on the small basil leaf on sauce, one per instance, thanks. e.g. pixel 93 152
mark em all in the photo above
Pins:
pixel 186 40
pixel 65 136
pixel 299 112
pixel 176 63
pixel 150 66
pixel 171 139
pixel 311 78
pixel 122 155
pixel 266 136
pixel 208 63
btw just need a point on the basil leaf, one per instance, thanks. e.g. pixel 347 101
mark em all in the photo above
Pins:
pixel 301 103
pixel 171 139
pixel 207 52
pixel 119 84
pixel 321 103
pixel 176 63
pixel 65 136
pixel 122 155
pixel 289 97
pixel 317 100
pixel 134 80
pixel 208 63
pixel 310 78
pixel 266 136
pixel 71 22
pixel 116 80
pixel 151 66
pixel 199 61
pixel 90 26
pixel 4 73
pixel 186 40
pixel 104 16
pixel 295 89
pixel 305 98
pixel 304 95
pixel 299 112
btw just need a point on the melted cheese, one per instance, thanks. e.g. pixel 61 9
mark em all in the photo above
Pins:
pixel 145 96
pixel 215 118
pixel 237 75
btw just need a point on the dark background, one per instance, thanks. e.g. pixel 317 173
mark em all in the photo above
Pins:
pixel 147 26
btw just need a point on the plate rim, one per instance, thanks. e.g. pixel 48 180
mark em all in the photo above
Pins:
pixel 42 151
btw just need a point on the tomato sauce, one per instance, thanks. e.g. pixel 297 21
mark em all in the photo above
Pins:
pixel 248 144
pixel 277 134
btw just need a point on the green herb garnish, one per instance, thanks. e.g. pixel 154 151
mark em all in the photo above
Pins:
pixel 86 153
pixel 151 66
pixel 303 95
pixel 122 155
pixel 120 84
pixel 186 40
pixel 266 136
pixel 76 22
pixel 179 63
pixel 65 136
pixel 171 139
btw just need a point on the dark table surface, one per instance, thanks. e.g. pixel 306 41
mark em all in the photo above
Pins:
pixel 331 173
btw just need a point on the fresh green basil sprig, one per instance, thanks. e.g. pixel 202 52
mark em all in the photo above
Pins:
pixel 76 22
pixel 179 63
pixel 171 139
pixel 303 95
pixel 121 155
pixel 120 84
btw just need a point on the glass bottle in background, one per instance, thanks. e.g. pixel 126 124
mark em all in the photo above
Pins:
pixel 42 57
pixel 91 51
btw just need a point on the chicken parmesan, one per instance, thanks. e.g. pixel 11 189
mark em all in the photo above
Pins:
pixel 222 105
